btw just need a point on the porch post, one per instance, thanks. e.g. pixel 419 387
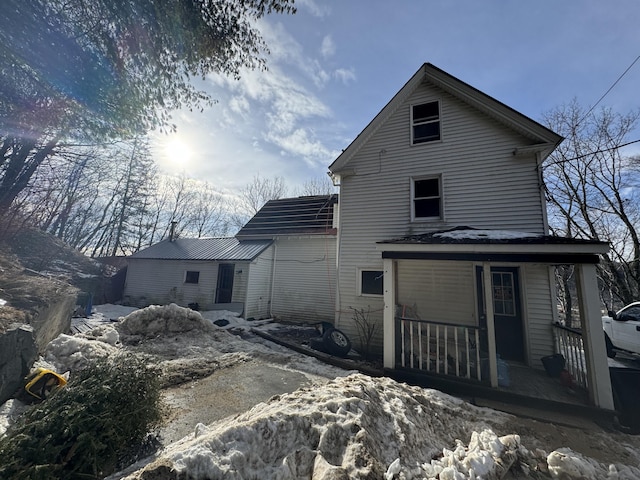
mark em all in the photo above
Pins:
pixel 491 328
pixel 388 328
pixel 594 347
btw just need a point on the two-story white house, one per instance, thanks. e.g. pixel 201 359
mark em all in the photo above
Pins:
pixel 443 237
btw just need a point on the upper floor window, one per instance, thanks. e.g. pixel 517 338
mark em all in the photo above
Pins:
pixel 426 198
pixel 425 122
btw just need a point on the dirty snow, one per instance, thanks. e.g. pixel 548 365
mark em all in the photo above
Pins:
pixel 345 425
pixel 485 234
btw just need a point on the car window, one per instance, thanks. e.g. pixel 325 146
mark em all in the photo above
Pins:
pixel 633 312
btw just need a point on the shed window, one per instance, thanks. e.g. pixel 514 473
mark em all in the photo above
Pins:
pixel 425 122
pixel 192 277
pixel 371 282
pixel 426 198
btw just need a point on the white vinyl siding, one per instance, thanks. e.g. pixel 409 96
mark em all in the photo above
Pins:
pixel 484 186
pixel 304 282
pixel 538 308
pixel 437 291
pixel 259 293
pixel 151 281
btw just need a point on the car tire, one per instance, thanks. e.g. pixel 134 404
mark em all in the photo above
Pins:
pixel 337 342
pixel 611 353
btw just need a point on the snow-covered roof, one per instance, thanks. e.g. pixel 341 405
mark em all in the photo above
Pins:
pixel 469 235
pixel 216 249
pixel 470 244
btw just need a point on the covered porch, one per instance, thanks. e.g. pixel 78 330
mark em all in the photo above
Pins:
pixel 440 319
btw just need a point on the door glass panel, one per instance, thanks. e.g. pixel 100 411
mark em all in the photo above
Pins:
pixel 503 293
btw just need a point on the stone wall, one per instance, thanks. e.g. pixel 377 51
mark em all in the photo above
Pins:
pixel 21 344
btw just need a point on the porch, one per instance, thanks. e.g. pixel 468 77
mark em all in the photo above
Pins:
pixel 457 353
pixel 482 308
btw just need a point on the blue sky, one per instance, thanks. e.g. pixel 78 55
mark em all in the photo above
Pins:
pixel 336 63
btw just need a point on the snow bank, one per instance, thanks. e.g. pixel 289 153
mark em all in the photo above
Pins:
pixel 355 426
pixel 363 427
pixel 69 353
pixel 158 320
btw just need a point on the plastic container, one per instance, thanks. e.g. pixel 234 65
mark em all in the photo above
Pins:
pixel 553 364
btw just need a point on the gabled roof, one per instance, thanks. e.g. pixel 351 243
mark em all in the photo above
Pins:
pixel 311 215
pixel 545 139
pixel 215 249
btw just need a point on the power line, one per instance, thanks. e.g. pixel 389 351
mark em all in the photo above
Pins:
pixel 607 92
pixel 596 152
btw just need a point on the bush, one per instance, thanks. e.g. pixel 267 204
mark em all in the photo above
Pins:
pixel 88 427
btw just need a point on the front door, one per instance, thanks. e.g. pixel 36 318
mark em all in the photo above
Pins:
pixel 507 309
pixel 224 289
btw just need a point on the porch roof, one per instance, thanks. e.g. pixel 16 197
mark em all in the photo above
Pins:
pixel 470 244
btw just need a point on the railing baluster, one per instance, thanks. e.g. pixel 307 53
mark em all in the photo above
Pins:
pixel 466 349
pixel 402 347
pixel 420 345
pixel 446 350
pixel 429 346
pixel 437 348
pixel 411 344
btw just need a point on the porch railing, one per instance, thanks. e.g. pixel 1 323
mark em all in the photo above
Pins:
pixel 568 342
pixel 441 348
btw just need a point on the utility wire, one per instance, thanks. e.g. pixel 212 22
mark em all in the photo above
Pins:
pixel 564 160
pixel 607 92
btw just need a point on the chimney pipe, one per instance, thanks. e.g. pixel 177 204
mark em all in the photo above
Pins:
pixel 172 231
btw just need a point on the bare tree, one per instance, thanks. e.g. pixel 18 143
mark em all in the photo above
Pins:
pixel 254 195
pixel 316 186
pixel 592 191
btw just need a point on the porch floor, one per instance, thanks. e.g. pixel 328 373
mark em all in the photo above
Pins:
pixel 529 382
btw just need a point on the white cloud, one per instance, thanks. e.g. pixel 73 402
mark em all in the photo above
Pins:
pixel 299 143
pixel 315 9
pixel 239 104
pixel 328 47
pixel 345 75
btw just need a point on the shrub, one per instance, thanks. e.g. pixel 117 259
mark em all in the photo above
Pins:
pixel 88 427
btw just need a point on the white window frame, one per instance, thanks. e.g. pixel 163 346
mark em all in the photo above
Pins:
pixel 360 270
pixel 413 181
pixel 425 122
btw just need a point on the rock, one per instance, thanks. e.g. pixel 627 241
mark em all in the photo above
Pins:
pixel 18 352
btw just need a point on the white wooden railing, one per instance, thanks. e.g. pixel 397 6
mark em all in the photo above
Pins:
pixel 441 348
pixel 568 342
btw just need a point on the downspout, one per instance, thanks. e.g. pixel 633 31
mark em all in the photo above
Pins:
pixel 273 278
pixel 541 188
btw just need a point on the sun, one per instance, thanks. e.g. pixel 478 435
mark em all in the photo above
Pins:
pixel 175 153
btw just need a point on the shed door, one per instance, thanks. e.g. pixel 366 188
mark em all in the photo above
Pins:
pixel 507 310
pixel 224 289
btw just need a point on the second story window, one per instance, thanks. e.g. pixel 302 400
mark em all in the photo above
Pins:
pixel 426 198
pixel 425 122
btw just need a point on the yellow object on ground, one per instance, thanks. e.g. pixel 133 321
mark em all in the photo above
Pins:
pixel 42 383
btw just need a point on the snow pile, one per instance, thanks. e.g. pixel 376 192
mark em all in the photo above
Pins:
pixel 103 333
pixel 355 426
pixel 486 234
pixel 158 320
pixel 9 412
pixel 70 353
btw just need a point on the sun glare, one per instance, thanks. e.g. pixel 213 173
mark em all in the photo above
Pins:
pixel 176 153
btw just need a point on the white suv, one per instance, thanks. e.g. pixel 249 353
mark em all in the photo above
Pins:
pixel 622 330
